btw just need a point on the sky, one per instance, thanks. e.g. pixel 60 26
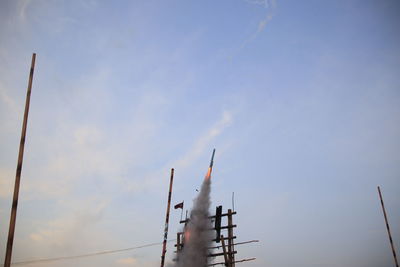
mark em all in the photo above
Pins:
pixel 301 100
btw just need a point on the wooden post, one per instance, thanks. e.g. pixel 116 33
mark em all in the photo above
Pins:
pixel 388 228
pixel 230 240
pixel 178 242
pixel 228 246
pixel 226 257
pixel 164 249
pixel 13 217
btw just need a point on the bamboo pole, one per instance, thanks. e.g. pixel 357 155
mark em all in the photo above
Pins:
pixel 13 217
pixel 226 258
pixel 164 249
pixel 230 240
pixel 388 228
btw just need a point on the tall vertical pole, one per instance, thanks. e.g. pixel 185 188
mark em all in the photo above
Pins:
pixel 13 217
pixel 231 248
pixel 164 249
pixel 233 201
pixel 388 228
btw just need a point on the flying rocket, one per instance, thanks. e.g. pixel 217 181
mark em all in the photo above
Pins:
pixel 212 159
pixel 208 175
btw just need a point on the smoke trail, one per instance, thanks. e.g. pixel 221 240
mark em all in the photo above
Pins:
pixel 197 234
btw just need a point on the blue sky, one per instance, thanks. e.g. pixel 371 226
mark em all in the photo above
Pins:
pixel 301 99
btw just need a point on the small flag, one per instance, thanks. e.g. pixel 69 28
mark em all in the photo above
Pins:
pixel 179 206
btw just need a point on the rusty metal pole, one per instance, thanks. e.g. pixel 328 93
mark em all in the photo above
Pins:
pixel 387 228
pixel 13 217
pixel 164 249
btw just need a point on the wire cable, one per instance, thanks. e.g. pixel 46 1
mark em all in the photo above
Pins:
pixel 87 255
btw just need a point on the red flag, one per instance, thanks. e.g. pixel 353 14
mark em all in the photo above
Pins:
pixel 179 206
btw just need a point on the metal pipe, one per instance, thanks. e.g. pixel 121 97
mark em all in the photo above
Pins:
pixel 13 217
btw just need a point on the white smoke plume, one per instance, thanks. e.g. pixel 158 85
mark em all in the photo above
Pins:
pixel 198 236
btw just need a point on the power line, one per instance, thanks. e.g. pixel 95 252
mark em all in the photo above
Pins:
pixel 239 243
pixel 87 255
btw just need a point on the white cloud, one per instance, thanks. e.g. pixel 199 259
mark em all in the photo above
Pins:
pixel 6 182
pixel 269 6
pixel 152 178
pixel 127 261
pixel 265 3
pixel 37 237
pixel 258 2
pixel 205 140
pixel 22 6
pixel 263 23
pixel 9 101
pixel 61 233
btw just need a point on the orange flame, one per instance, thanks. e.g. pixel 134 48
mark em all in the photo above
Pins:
pixel 187 235
pixel 208 175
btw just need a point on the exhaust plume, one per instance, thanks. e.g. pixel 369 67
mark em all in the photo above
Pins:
pixel 198 236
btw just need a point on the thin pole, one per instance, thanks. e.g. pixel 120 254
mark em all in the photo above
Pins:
pixel 226 259
pixel 233 201
pixel 13 217
pixel 182 211
pixel 231 248
pixel 164 250
pixel 388 228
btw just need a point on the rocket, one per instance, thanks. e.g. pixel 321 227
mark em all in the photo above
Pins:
pixel 208 175
pixel 212 159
